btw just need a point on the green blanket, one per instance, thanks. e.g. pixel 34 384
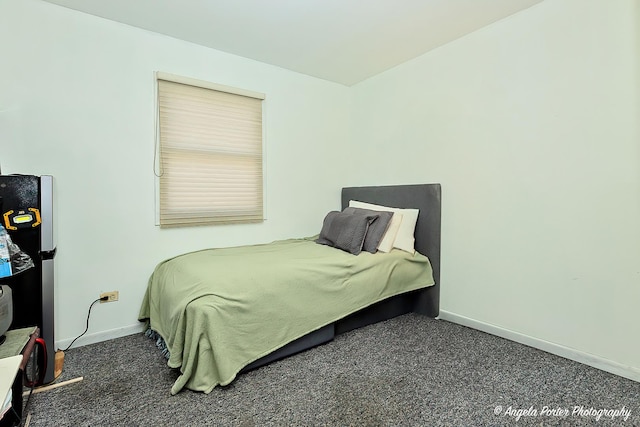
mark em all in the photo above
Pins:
pixel 220 309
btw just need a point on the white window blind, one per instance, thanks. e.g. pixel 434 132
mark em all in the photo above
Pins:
pixel 210 160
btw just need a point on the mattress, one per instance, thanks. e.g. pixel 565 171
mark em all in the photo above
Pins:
pixel 218 310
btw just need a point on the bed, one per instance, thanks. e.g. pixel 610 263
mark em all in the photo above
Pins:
pixel 224 311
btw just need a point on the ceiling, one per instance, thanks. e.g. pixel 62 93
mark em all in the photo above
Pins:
pixel 344 41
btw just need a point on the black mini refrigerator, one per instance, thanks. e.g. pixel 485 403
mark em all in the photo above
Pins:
pixel 26 206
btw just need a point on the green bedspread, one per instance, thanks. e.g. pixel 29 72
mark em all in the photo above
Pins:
pixel 220 309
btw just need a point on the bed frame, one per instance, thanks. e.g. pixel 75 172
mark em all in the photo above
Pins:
pixel 426 198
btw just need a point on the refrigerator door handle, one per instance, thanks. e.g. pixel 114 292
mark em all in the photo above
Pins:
pixel 48 254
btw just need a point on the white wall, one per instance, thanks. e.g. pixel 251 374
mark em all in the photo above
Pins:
pixel 77 102
pixel 532 125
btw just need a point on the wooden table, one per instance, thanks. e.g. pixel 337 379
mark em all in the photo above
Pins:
pixel 18 342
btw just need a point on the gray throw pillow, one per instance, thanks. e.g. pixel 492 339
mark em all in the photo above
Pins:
pixel 376 229
pixel 345 231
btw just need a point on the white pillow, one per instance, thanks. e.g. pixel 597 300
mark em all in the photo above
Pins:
pixel 403 238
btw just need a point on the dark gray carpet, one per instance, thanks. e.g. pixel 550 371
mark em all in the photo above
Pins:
pixel 408 371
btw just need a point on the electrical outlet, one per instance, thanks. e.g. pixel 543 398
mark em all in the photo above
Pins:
pixel 111 296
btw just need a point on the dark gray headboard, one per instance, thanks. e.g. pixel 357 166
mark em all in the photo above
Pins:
pixel 425 197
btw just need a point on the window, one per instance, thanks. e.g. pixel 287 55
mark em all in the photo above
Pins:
pixel 210 156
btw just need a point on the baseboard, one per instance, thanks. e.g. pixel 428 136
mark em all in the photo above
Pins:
pixel 102 336
pixel 559 350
